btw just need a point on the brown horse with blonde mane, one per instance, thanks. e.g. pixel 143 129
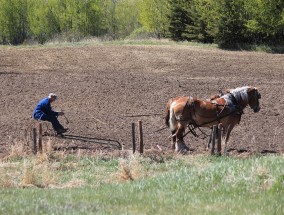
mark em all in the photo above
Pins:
pixel 227 109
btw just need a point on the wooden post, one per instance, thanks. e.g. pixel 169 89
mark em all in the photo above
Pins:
pixel 40 137
pixel 140 137
pixel 213 139
pixel 219 147
pixel 133 138
pixel 34 141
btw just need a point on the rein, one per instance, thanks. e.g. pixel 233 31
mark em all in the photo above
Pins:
pixel 158 130
pixel 194 125
pixel 192 128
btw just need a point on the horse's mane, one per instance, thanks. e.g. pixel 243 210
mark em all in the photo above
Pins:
pixel 240 93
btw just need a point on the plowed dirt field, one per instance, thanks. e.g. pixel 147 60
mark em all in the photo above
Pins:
pixel 104 88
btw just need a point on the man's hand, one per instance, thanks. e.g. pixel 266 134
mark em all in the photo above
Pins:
pixel 60 113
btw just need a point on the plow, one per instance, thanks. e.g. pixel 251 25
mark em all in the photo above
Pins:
pixel 37 130
pixel 101 141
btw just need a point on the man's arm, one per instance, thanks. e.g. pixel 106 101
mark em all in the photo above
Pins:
pixel 55 113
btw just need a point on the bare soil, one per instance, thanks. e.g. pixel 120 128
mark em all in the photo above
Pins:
pixel 103 89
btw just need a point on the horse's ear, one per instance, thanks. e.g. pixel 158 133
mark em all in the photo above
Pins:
pixel 256 89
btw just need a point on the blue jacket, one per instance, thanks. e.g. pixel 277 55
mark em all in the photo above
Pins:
pixel 43 110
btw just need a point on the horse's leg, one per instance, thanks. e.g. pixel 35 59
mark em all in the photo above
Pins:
pixel 228 127
pixel 174 139
pixel 227 132
pixel 172 123
pixel 180 145
pixel 182 139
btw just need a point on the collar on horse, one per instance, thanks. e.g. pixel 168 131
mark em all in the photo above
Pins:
pixel 236 104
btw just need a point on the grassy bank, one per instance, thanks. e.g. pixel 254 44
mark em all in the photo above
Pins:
pixel 151 42
pixel 156 184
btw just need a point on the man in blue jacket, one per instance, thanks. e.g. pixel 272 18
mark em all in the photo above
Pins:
pixel 44 112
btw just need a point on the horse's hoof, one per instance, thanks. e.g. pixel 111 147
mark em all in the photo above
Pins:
pixel 180 147
pixel 226 153
pixel 182 151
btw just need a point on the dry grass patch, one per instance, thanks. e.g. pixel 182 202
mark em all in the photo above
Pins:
pixel 75 182
pixel 5 179
pixel 136 166
pixel 130 169
pixel 38 172
pixel 16 151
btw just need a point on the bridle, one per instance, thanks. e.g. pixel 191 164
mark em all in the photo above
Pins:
pixel 257 96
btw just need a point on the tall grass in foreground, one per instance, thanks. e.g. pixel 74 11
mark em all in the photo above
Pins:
pixel 154 184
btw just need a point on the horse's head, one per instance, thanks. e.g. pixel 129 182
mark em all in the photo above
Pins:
pixel 253 99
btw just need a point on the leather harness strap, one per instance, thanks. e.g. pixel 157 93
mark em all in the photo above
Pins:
pixel 236 103
pixel 188 105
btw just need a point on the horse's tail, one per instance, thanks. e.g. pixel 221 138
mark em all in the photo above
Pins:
pixel 167 113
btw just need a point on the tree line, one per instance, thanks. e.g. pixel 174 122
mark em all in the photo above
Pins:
pixel 225 22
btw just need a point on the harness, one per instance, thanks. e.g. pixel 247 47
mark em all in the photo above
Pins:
pixel 236 108
pixel 188 105
pixel 236 104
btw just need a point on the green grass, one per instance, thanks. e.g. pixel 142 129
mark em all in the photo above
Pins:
pixel 268 48
pixel 173 185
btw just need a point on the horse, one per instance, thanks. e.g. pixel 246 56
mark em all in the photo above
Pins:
pixel 226 108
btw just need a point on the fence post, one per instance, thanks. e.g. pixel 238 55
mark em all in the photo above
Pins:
pixel 40 137
pixel 140 137
pixel 219 147
pixel 133 138
pixel 213 139
pixel 34 141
